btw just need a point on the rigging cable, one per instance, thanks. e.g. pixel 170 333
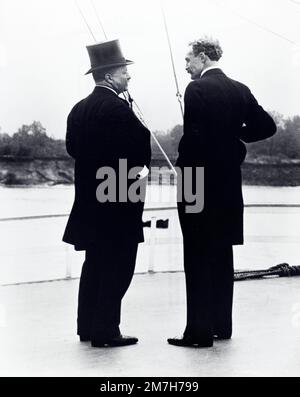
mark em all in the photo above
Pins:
pixel 295 2
pixel 178 94
pixel 141 117
pixel 84 19
pixel 130 100
pixel 98 19
pixel 257 24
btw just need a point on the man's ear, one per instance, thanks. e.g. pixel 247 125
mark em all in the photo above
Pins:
pixel 202 57
pixel 108 77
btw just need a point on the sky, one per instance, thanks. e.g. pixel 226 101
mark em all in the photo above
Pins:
pixel 43 58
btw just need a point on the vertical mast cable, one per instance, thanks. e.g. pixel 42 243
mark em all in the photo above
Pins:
pixel 99 20
pixel 86 22
pixel 153 136
pixel 178 94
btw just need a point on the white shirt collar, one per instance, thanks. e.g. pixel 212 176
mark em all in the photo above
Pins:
pixel 210 68
pixel 108 88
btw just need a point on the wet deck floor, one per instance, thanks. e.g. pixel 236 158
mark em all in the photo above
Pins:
pixel 38 334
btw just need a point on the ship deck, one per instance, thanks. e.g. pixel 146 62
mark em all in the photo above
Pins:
pixel 38 332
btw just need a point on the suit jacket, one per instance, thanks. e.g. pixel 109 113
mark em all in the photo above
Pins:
pixel 101 130
pixel 221 114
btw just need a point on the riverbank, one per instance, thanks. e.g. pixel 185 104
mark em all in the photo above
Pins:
pixel 35 172
pixel 60 171
pixel 260 174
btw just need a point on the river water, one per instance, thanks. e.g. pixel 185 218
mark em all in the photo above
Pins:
pixel 31 250
pixel 20 202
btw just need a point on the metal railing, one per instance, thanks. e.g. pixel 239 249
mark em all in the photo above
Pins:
pixel 35 217
pixel 152 237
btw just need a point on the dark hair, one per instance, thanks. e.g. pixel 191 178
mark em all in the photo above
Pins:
pixel 209 47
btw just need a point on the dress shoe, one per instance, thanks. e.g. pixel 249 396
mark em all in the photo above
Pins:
pixel 188 341
pixel 84 338
pixel 116 341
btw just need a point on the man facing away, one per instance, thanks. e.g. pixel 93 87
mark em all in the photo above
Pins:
pixel 220 114
pixel 102 133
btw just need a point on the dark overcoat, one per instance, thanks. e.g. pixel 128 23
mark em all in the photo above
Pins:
pixel 220 115
pixel 101 131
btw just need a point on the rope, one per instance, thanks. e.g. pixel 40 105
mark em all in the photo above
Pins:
pixel 295 2
pixel 257 24
pixel 178 94
pixel 282 270
pixel 140 116
pixel 84 19
pixel 99 20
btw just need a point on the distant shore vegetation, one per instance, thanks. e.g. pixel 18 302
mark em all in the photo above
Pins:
pixel 283 147
pixel 32 141
pixel 30 157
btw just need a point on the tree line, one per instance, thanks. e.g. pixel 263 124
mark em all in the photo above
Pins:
pixel 32 141
pixel 283 146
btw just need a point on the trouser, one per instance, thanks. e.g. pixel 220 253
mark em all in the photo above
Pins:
pixel 106 275
pixel 209 288
pixel 208 262
pixel 209 274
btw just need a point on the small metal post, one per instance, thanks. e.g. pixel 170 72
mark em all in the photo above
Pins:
pixel 68 264
pixel 152 244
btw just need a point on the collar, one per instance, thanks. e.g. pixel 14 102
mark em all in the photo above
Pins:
pixel 108 88
pixel 210 68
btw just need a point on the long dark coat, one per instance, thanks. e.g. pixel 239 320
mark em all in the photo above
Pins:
pixel 101 130
pixel 220 114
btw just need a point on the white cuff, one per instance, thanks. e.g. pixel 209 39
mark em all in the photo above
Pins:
pixel 143 173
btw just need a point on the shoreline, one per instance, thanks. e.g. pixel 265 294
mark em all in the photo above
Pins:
pixel 60 172
pixel 65 185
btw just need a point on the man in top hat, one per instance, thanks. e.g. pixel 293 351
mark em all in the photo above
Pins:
pixel 102 133
pixel 220 114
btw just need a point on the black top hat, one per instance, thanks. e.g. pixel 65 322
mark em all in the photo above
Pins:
pixel 106 55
